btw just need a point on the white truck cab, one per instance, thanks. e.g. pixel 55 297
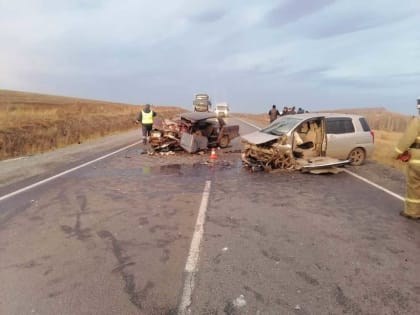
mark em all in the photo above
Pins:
pixel 222 110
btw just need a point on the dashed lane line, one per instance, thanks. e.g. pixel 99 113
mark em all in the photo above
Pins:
pixel 65 172
pixel 191 265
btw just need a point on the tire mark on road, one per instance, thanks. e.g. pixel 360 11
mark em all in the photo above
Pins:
pixel 77 231
pixel 134 295
pixel 309 279
pixel 348 304
pixel 258 296
pixel 165 255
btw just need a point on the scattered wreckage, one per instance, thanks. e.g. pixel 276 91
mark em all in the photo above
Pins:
pixel 295 142
pixel 192 132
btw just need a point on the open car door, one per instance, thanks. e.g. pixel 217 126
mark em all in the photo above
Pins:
pixel 310 145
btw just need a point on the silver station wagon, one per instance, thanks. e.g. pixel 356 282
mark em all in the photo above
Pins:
pixel 309 141
pixel 349 137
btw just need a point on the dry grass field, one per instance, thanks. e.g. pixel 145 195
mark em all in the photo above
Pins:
pixel 32 123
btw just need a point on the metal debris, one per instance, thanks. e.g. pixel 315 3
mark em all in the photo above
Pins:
pixel 277 155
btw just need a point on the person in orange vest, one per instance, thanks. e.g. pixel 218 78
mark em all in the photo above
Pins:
pixel 145 118
pixel 408 150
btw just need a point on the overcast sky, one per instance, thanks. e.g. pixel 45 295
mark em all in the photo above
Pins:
pixel 318 54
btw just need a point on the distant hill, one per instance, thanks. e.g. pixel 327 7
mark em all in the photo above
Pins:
pixel 379 118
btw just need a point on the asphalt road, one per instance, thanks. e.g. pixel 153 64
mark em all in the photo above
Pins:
pixel 113 237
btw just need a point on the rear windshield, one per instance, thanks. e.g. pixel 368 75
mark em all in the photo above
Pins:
pixel 339 125
pixel 282 125
pixel 364 124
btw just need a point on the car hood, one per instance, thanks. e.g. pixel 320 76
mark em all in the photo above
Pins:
pixel 259 137
pixel 196 116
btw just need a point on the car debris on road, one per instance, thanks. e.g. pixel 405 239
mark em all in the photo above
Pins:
pixel 192 132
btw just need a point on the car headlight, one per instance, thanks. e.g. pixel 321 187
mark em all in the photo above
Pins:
pixel 155 134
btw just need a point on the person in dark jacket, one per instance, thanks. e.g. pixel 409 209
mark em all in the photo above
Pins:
pixel 145 118
pixel 273 113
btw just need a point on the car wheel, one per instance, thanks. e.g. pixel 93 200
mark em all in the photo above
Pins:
pixel 224 142
pixel 357 156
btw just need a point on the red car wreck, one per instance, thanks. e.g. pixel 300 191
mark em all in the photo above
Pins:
pixel 193 132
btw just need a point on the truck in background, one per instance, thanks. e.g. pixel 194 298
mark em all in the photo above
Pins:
pixel 202 103
pixel 222 109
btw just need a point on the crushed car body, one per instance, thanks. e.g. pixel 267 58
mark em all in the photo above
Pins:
pixel 192 132
pixel 295 142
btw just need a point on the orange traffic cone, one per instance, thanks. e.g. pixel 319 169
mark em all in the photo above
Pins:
pixel 213 155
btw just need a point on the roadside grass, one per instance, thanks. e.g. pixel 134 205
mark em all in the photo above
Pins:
pixel 34 123
pixel 384 147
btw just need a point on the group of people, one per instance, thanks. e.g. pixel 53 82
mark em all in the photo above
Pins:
pixel 273 113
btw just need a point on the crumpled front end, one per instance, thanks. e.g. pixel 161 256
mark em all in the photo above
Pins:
pixel 269 156
pixel 166 136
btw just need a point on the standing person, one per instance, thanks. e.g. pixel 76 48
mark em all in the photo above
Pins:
pixel 145 118
pixel 408 150
pixel 273 113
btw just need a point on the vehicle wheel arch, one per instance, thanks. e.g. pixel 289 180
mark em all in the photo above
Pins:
pixel 358 154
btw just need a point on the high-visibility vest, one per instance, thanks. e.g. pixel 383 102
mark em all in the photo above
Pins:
pixel 147 118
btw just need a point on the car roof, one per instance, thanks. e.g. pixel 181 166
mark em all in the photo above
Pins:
pixel 303 116
pixel 342 115
pixel 196 116
pixel 319 114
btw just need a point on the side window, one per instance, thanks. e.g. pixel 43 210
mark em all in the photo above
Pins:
pixel 364 124
pixel 339 125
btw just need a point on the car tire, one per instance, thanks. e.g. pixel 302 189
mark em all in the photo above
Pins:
pixel 357 156
pixel 224 142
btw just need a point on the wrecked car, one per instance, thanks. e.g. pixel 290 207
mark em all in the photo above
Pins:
pixel 192 132
pixel 296 142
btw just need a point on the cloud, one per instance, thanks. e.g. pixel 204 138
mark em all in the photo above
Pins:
pixel 346 17
pixel 210 16
pixel 246 52
pixel 291 11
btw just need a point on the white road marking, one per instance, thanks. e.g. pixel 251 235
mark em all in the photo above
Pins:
pixel 191 265
pixel 375 185
pixel 248 123
pixel 15 159
pixel 65 172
